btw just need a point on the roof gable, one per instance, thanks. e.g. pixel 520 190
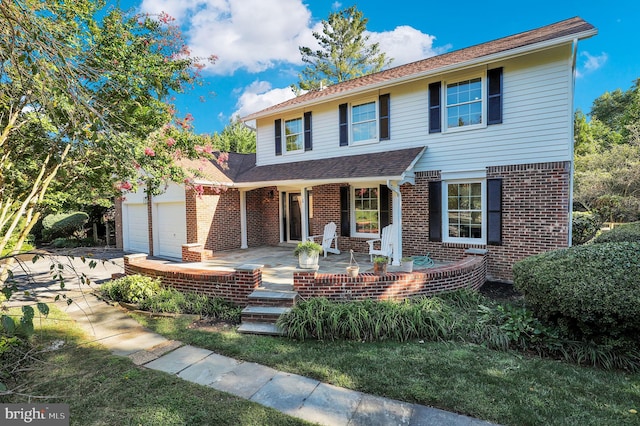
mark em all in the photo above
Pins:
pixel 560 31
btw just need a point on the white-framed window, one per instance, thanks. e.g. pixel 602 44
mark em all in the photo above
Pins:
pixel 365 208
pixel 464 210
pixel 464 103
pixel 294 135
pixel 364 122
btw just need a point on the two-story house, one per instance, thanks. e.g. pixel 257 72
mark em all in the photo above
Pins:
pixel 469 149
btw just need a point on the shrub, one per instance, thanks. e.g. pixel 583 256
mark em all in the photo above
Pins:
pixel 591 290
pixel 625 232
pixel 131 288
pixel 63 225
pixel 584 226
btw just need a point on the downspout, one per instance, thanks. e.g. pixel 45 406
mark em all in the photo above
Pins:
pixel 574 57
pixel 397 221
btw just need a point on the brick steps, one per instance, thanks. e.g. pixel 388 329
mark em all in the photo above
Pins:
pixel 264 309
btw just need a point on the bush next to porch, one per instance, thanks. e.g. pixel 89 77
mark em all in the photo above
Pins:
pixel 591 290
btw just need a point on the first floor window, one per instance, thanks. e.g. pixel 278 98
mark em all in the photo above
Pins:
pixel 293 131
pixel 464 210
pixel 366 202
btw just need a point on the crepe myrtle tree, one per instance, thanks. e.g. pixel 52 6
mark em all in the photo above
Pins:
pixel 86 102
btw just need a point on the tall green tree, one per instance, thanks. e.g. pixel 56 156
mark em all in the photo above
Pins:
pixel 86 101
pixel 607 156
pixel 235 137
pixel 345 52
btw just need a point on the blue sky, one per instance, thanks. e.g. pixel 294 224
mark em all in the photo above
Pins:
pixel 257 42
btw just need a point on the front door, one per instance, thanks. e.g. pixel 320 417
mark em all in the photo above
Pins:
pixel 294 213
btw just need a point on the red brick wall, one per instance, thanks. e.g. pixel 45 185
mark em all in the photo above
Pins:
pixel 213 219
pixel 118 220
pixel 232 286
pixel 535 203
pixel 263 217
pixel 469 272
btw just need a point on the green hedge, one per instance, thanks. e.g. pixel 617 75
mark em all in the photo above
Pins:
pixel 625 232
pixel 584 226
pixel 592 290
pixel 63 225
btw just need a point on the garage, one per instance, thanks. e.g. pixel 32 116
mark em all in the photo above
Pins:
pixel 170 222
pixel 135 228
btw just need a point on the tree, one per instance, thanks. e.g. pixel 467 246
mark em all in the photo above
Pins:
pixel 344 52
pixel 607 156
pixel 84 102
pixel 235 137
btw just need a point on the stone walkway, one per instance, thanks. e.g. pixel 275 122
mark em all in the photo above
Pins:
pixel 291 394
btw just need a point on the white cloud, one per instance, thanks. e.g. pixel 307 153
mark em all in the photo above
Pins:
pixel 593 63
pixel 406 44
pixel 259 95
pixel 254 35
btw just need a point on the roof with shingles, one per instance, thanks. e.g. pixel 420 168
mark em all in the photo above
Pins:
pixel 564 29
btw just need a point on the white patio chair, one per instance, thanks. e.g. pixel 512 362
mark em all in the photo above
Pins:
pixel 385 242
pixel 329 238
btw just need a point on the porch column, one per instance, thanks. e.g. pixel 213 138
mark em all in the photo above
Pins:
pixel 396 202
pixel 305 214
pixel 243 219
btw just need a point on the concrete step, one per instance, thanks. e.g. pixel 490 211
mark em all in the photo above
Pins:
pixel 263 313
pixel 263 328
pixel 261 297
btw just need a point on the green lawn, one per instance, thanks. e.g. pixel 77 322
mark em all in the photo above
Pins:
pixel 103 389
pixel 503 387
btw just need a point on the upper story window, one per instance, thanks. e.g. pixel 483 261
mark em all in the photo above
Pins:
pixel 364 122
pixel 464 103
pixel 294 135
pixel 471 103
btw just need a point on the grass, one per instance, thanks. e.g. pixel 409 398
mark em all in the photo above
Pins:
pixel 103 389
pixel 508 388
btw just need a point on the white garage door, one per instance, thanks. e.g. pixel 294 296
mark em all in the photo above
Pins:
pixel 136 227
pixel 172 229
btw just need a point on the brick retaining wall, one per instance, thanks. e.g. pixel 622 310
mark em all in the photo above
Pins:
pixel 233 286
pixel 469 272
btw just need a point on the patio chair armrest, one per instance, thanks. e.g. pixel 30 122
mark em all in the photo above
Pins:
pixel 313 237
pixel 371 242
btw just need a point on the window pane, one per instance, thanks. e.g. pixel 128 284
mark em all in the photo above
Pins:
pixel 464 205
pixel 363 122
pixel 366 210
pixel 293 133
pixel 464 103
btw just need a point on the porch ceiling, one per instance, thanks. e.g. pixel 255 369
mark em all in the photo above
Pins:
pixel 389 165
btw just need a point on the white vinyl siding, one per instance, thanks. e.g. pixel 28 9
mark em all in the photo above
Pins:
pixel 536 125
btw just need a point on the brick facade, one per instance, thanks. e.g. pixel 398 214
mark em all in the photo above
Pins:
pixel 213 219
pixel 118 220
pixel 469 273
pixel 233 286
pixel 263 217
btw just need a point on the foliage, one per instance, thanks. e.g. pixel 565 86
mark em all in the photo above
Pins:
pixel 591 290
pixel 629 232
pixel 151 296
pixel 381 259
pixel 64 225
pixel 345 52
pixel 585 226
pixel 73 242
pixel 131 288
pixel 607 156
pixel 236 137
pixel 84 94
pixel 307 247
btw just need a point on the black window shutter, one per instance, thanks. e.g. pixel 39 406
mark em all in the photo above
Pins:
pixel 345 219
pixel 494 93
pixel 384 207
pixel 308 146
pixel 344 125
pixel 435 211
pixel 384 123
pixel 435 125
pixel 278 129
pixel 494 211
